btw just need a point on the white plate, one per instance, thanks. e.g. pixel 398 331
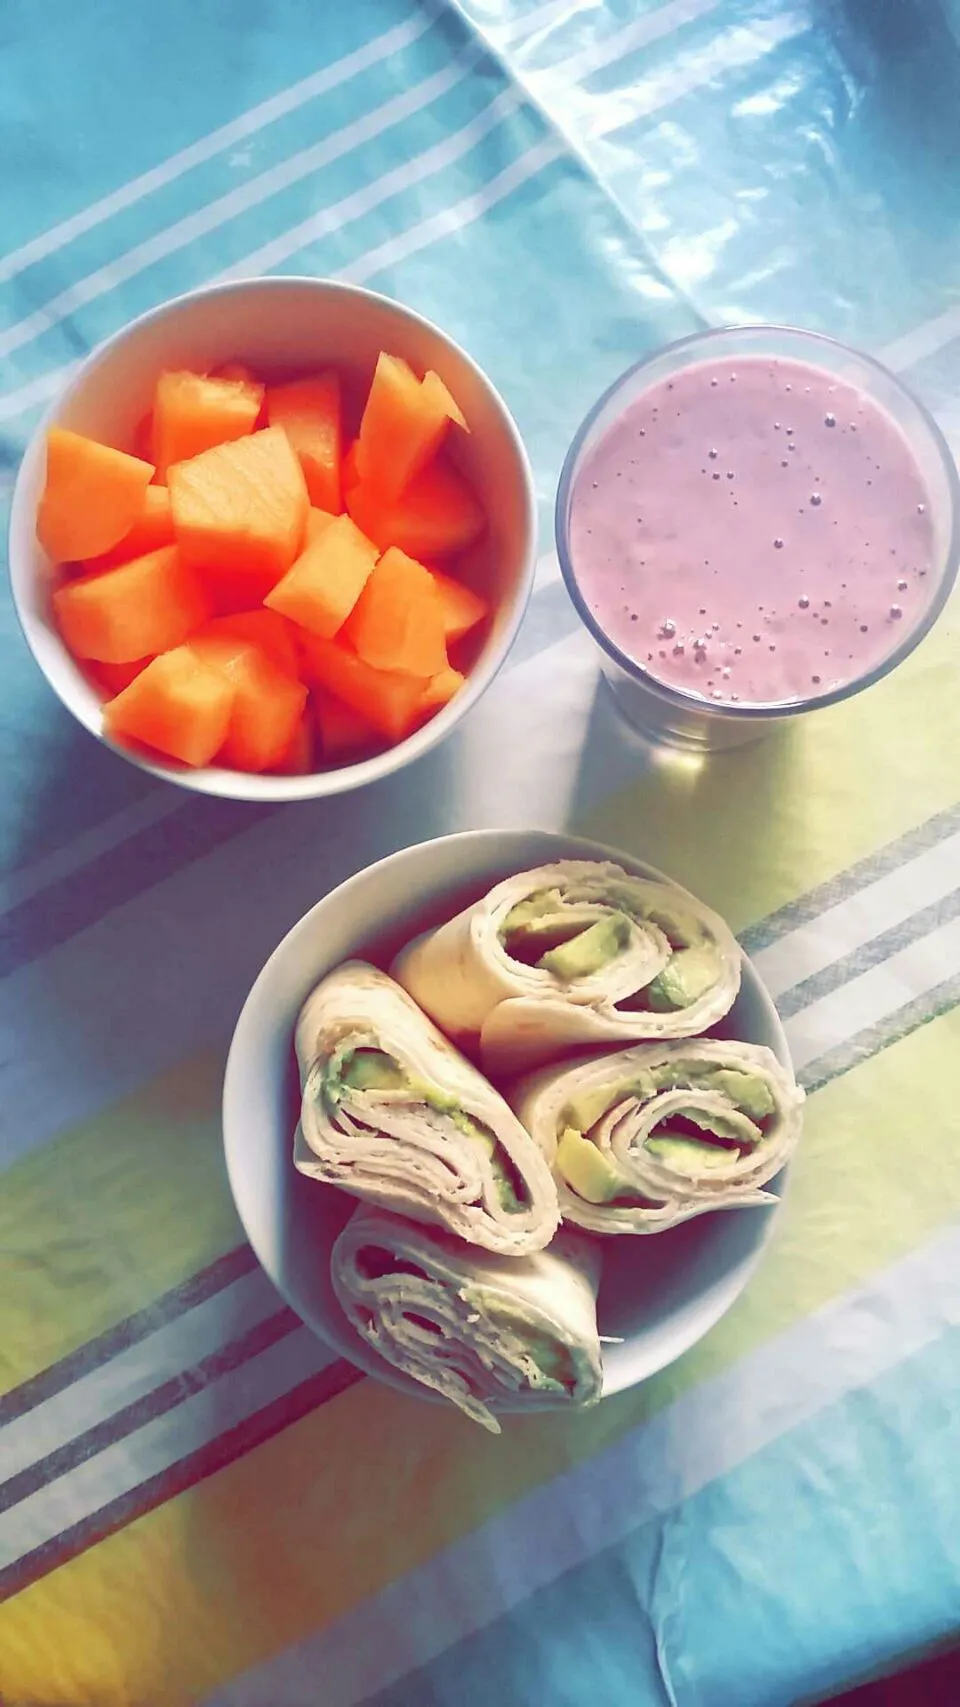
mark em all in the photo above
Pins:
pixel 659 1293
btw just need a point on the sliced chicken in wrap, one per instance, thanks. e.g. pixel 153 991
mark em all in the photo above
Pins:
pixel 573 954
pixel 483 1332
pixel 651 1136
pixel 393 1113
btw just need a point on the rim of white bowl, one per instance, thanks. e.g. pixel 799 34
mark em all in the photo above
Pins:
pixel 260 788
pixel 346 1342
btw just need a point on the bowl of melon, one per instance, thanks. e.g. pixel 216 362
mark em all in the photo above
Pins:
pixel 274 540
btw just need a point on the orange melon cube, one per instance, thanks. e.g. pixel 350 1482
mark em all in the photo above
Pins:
pixel 343 731
pixel 403 424
pixel 111 679
pixel 135 611
pixel 317 523
pixel 92 496
pixel 385 698
pixel 439 513
pixel 348 472
pixel 397 621
pixel 308 410
pixel 192 412
pixel 272 633
pixel 326 581
pixel 235 370
pixel 462 608
pixel 267 704
pixel 153 527
pixel 179 705
pixel 440 690
pixel 297 759
pixel 239 514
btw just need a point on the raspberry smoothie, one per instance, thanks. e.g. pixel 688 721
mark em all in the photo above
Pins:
pixel 753 530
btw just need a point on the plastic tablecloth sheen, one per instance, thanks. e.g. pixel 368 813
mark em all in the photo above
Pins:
pixel 200 1503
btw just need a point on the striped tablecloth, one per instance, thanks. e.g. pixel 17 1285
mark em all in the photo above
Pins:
pixel 200 1503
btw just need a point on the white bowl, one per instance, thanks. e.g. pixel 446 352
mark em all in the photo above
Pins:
pixel 278 326
pixel 659 1294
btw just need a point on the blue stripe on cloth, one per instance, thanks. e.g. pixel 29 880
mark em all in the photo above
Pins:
pixel 829 1553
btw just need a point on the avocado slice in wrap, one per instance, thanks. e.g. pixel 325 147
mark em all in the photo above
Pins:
pixel 645 1138
pixel 393 1113
pixel 486 1333
pixel 576 954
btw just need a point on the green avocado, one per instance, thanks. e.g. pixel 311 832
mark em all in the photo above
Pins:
pixel 590 950
pixel 373 1070
pixel 736 1127
pixel 687 977
pixel 528 911
pixel 746 1091
pixel 586 1170
pixel 587 1107
pixel 685 1156
pixel 681 928
pixel 552 1358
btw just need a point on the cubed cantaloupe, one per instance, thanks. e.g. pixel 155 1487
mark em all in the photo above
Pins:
pixel 397 621
pixel 388 700
pixel 135 611
pixel 236 370
pixel 239 514
pixel 344 732
pixel 404 421
pixel 152 528
pixel 267 704
pixel 194 411
pixel 264 628
pixel 91 498
pixel 437 514
pixel 325 582
pixel 111 679
pixel 440 690
pixel 462 608
pixel 317 523
pixel 297 757
pixel 308 410
pixel 179 705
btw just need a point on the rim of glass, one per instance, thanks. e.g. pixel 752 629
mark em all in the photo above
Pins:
pixel 679 698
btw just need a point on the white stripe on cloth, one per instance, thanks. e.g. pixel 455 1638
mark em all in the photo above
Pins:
pixel 161 1443
pixel 362 201
pixel 304 164
pixel 226 136
pixel 737 48
pixel 923 341
pixel 879 906
pixel 875 995
pixel 132 1374
pixel 702 1436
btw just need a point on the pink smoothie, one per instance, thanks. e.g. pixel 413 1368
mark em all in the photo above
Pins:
pixel 753 530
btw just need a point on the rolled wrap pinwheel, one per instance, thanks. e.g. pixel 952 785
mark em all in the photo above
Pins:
pixel 481 1331
pixel 391 1112
pixel 572 955
pixel 651 1136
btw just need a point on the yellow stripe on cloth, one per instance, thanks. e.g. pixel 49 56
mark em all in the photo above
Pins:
pixel 302 1530
pixel 99 1223
pixel 752 828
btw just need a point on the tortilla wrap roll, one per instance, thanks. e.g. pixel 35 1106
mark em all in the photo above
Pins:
pixel 480 1330
pixel 573 955
pixel 651 1136
pixel 393 1113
